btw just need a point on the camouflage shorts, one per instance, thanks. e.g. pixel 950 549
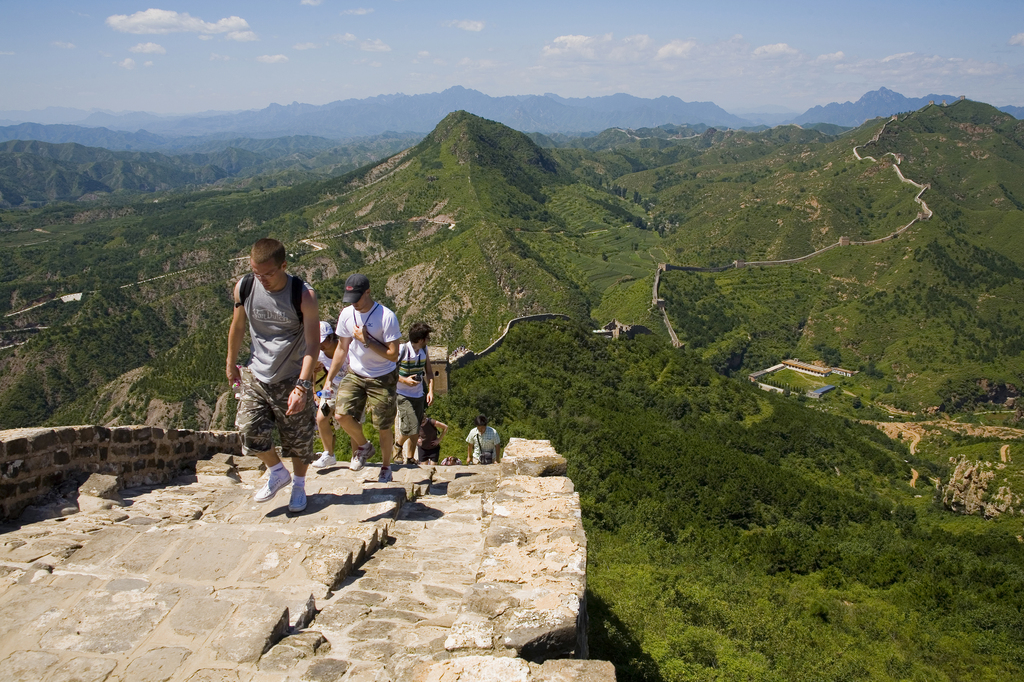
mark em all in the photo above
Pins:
pixel 376 396
pixel 262 407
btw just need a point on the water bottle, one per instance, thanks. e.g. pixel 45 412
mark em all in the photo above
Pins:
pixel 237 384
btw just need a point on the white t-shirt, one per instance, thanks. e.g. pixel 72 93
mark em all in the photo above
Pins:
pixel 378 323
pixel 326 362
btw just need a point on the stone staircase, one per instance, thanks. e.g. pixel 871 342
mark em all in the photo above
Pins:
pixel 448 573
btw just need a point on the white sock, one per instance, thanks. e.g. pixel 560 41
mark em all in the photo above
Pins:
pixel 298 481
pixel 277 468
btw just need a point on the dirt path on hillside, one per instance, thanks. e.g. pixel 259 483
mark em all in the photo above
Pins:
pixel 915 431
pixel 1004 453
pixel 913 478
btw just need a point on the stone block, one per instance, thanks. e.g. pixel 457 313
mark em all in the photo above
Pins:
pixel 326 670
pixel 82 669
pixel 99 624
pixel 142 433
pixel 250 632
pixel 217 469
pixel 472 668
pixel 563 670
pixel 340 616
pixel 249 463
pixel 470 632
pixel 284 655
pixel 331 559
pixel 121 434
pixel 27 666
pixel 223 458
pixel 473 485
pixel 44 440
pixel 207 559
pixel 17 447
pixel 102 486
pixel 157 665
pixel 198 616
pixel 216 675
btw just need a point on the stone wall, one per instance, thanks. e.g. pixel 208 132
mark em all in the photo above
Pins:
pixel 36 462
pixel 469 356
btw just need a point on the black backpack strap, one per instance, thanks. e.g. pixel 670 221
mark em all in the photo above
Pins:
pixel 244 290
pixel 297 286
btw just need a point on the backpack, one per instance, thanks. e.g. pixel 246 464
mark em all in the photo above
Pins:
pixel 297 286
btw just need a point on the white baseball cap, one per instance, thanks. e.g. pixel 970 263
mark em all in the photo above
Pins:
pixel 325 330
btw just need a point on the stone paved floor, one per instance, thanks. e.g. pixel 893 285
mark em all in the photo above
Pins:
pixel 196 582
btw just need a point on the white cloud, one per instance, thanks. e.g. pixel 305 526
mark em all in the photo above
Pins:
pixel 1017 39
pixel 311 3
pixel 147 64
pixel 63 45
pixel 776 50
pixel 272 59
pixel 344 38
pixel 361 11
pixel 677 48
pixel 421 53
pixel 466 25
pixel 6 53
pixel 833 57
pixel 157 21
pixel 583 46
pixel 126 64
pixel 375 45
pixel 896 57
pixel 148 48
pixel 214 57
pixel 305 46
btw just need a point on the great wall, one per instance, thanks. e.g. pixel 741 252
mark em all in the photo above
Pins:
pixel 136 554
pixel 924 214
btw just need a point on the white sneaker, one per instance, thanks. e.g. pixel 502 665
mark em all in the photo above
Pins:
pixel 273 486
pixel 326 459
pixel 360 456
pixel 298 501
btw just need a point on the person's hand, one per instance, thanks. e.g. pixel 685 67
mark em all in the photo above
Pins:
pixel 360 335
pixel 234 374
pixel 430 397
pixel 296 401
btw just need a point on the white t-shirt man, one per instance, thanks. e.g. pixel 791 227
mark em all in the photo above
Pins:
pixel 379 323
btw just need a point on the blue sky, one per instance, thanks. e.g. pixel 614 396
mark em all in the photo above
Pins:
pixel 183 56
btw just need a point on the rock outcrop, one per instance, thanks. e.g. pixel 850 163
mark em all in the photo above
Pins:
pixel 967 491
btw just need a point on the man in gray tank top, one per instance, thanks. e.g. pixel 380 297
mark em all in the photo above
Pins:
pixel 277 385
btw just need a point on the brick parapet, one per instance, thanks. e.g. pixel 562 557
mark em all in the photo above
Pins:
pixel 35 461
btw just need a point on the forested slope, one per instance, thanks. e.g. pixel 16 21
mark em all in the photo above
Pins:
pixel 737 536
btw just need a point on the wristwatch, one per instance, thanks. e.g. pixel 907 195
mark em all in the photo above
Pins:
pixel 304 384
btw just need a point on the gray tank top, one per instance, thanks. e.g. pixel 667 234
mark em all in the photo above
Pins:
pixel 277 340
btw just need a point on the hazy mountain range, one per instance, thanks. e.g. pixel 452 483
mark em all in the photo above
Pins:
pixel 344 119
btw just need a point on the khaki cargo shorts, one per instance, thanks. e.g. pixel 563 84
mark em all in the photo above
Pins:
pixel 376 396
pixel 410 414
pixel 262 407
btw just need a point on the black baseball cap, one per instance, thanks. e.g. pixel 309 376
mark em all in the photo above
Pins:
pixel 355 286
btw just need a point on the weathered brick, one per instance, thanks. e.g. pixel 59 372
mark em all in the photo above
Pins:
pixel 143 433
pixel 17 446
pixel 156 433
pixel 43 441
pixel 61 457
pixel 147 448
pixel 121 434
pixel 164 450
pixel 28 485
pixel 84 452
pixel 104 453
pixel 102 433
pixel 68 434
pixel 87 434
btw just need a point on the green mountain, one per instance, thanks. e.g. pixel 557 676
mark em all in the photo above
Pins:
pixel 478 224
pixel 933 314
